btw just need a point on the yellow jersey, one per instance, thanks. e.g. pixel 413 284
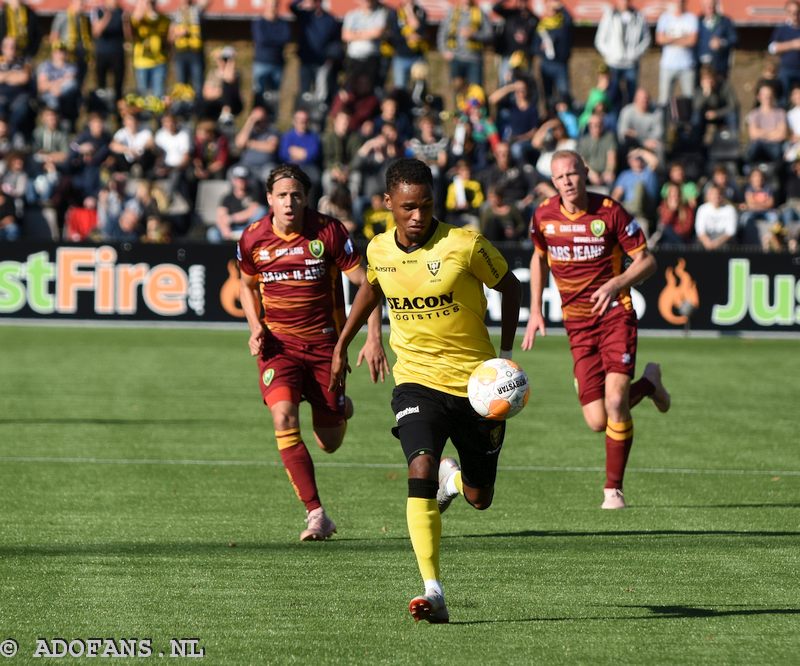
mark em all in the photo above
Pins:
pixel 436 303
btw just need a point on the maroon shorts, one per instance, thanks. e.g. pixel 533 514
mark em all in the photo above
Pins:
pixel 295 370
pixel 608 344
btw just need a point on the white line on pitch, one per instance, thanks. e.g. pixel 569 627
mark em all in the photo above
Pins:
pixel 355 465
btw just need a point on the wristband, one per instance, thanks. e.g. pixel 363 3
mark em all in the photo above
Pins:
pixel 505 353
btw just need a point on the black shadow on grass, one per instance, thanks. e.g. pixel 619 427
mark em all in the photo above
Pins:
pixel 628 533
pixel 666 612
pixel 656 613
pixel 115 422
pixel 162 549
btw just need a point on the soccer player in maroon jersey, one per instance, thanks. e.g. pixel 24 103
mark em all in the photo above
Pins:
pixel 583 239
pixel 291 263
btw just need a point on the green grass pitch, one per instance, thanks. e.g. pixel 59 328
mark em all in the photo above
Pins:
pixel 142 496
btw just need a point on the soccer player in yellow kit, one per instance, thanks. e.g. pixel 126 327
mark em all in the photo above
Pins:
pixel 432 276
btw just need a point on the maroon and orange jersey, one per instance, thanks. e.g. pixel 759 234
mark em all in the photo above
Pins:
pixel 299 275
pixel 586 249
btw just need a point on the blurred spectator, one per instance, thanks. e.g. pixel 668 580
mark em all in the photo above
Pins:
pixel 785 43
pixel 553 46
pixel 142 210
pixel 793 125
pixel 714 107
pixel 19 21
pixel 563 111
pixel 271 34
pixel 186 38
pixel 362 31
pixel 406 26
pixel 598 148
pixel 514 41
pixel 676 175
pixel 319 48
pixel 423 101
pixel 15 91
pixel 766 129
pixel 302 146
pixel 9 225
pixel 110 31
pixel 57 84
pixel 481 129
pixel 430 145
pixel 517 115
pixel 641 126
pixel 715 221
pixel 464 198
pixel 222 96
pixel 14 181
pixel 676 33
pixel 174 146
pixel 377 218
pixel 759 215
pixel 716 38
pixel 257 142
pixel 636 187
pixel 769 77
pixel 598 95
pixel 515 180
pixel 622 38
pixel 210 152
pixel 368 169
pixel 92 144
pixel 339 204
pixel 675 218
pixel 461 39
pixel 500 220
pixel 133 146
pixel 238 209
pixel 549 138
pixel 392 110
pixel 50 143
pixel 339 149
pixel 358 98
pixel 726 183
pixel 150 32
pixel 111 200
pixel 72 29
pixel 790 211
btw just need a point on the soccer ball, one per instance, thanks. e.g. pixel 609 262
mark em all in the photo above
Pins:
pixel 498 389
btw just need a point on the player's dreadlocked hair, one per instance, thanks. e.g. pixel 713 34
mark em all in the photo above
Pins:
pixel 288 171
pixel 408 170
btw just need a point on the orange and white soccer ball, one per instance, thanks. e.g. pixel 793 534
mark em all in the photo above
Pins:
pixel 498 389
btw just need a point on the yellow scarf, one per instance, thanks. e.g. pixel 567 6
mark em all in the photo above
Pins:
pixel 17 26
pixel 78 29
pixel 475 22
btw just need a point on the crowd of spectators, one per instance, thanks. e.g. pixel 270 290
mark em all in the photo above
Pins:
pixel 117 165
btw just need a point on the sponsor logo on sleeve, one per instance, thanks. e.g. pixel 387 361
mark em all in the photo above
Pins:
pixel 632 228
pixel 348 247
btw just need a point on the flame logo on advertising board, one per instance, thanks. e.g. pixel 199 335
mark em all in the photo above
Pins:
pixel 229 293
pixel 680 296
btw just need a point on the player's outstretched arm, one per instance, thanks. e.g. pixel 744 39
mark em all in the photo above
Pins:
pixel 511 291
pixel 250 299
pixel 372 352
pixel 539 273
pixel 367 298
